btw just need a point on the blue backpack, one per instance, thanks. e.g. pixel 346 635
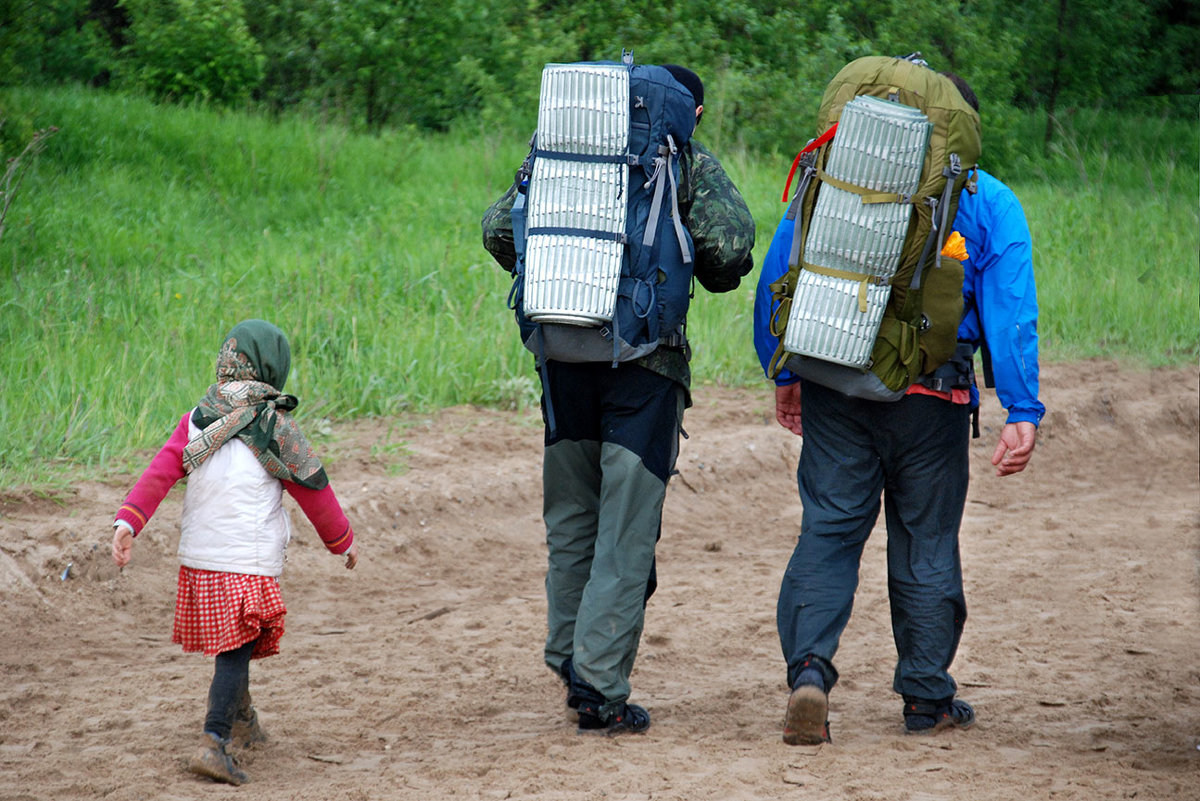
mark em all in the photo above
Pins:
pixel 647 255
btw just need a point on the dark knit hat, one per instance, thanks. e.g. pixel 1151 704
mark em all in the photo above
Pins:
pixel 964 89
pixel 689 79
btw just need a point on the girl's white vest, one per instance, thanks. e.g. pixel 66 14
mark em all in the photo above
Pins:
pixel 233 516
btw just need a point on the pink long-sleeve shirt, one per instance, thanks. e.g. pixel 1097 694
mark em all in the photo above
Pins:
pixel 321 507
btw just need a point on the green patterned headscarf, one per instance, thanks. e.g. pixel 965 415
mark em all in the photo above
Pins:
pixel 248 402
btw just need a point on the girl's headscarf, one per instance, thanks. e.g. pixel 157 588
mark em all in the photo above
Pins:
pixel 247 402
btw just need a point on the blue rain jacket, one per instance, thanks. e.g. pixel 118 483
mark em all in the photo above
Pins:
pixel 998 289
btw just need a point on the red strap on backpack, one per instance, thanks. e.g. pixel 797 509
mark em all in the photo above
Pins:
pixel 813 145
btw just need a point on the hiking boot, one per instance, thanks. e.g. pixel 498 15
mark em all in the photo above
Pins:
pixel 214 761
pixel 630 718
pixel 929 717
pixel 588 701
pixel 566 672
pixel 807 721
pixel 246 730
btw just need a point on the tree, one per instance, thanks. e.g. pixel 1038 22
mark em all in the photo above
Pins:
pixel 1173 42
pixel 50 41
pixel 288 33
pixel 1079 52
pixel 185 49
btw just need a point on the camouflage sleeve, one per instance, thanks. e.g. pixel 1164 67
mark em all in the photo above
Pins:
pixel 497 230
pixel 719 221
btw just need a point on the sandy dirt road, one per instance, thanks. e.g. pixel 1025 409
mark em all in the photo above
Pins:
pixel 419 675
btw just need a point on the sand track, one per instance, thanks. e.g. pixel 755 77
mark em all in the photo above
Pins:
pixel 419 675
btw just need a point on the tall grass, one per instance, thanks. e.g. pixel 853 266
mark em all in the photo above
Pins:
pixel 1116 231
pixel 144 233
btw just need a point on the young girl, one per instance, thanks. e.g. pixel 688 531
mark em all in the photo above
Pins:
pixel 239 449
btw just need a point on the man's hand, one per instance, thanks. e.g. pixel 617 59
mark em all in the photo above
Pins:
pixel 1015 448
pixel 787 408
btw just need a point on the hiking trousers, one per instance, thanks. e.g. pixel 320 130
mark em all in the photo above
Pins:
pixel 604 478
pixel 915 453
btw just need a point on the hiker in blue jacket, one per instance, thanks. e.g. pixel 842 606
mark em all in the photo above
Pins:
pixel 913 452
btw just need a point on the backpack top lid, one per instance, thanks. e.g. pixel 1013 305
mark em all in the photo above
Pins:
pixel 956 126
pixel 670 105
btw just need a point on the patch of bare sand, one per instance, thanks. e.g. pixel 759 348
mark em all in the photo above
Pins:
pixel 419 675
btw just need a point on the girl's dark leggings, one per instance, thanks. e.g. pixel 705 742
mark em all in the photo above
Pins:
pixel 231 680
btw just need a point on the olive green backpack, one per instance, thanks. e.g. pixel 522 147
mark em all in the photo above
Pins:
pixel 917 331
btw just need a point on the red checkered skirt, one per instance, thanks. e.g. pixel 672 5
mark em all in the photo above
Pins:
pixel 216 612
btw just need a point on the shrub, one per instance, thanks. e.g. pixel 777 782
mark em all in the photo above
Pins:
pixel 192 49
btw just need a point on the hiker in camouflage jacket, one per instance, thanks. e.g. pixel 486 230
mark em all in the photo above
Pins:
pixel 610 452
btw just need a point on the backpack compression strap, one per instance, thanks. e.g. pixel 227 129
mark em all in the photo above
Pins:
pixel 667 155
pixel 937 230
pixel 867 196
pixel 582 232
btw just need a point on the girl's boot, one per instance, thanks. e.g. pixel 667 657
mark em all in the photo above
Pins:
pixel 246 729
pixel 213 760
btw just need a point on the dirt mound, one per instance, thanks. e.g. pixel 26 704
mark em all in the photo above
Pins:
pixel 419 675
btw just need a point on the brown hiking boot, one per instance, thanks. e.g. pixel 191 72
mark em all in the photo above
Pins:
pixel 246 730
pixel 806 722
pixel 213 760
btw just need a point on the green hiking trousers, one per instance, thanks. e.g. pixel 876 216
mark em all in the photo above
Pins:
pixel 604 478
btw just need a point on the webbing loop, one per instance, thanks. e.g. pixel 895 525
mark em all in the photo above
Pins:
pixel 811 146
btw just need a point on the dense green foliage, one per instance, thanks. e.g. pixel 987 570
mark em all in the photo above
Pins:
pixel 144 232
pixel 192 49
pixel 398 63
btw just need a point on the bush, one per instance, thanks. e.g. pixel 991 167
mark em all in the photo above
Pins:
pixel 192 49
pixel 51 41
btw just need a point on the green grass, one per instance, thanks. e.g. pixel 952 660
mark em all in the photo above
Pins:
pixel 144 233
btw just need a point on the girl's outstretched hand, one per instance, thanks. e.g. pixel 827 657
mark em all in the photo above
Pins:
pixel 351 556
pixel 122 546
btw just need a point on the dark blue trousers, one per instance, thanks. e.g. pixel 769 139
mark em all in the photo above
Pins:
pixel 913 453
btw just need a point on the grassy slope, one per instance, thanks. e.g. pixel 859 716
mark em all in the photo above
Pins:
pixel 145 232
